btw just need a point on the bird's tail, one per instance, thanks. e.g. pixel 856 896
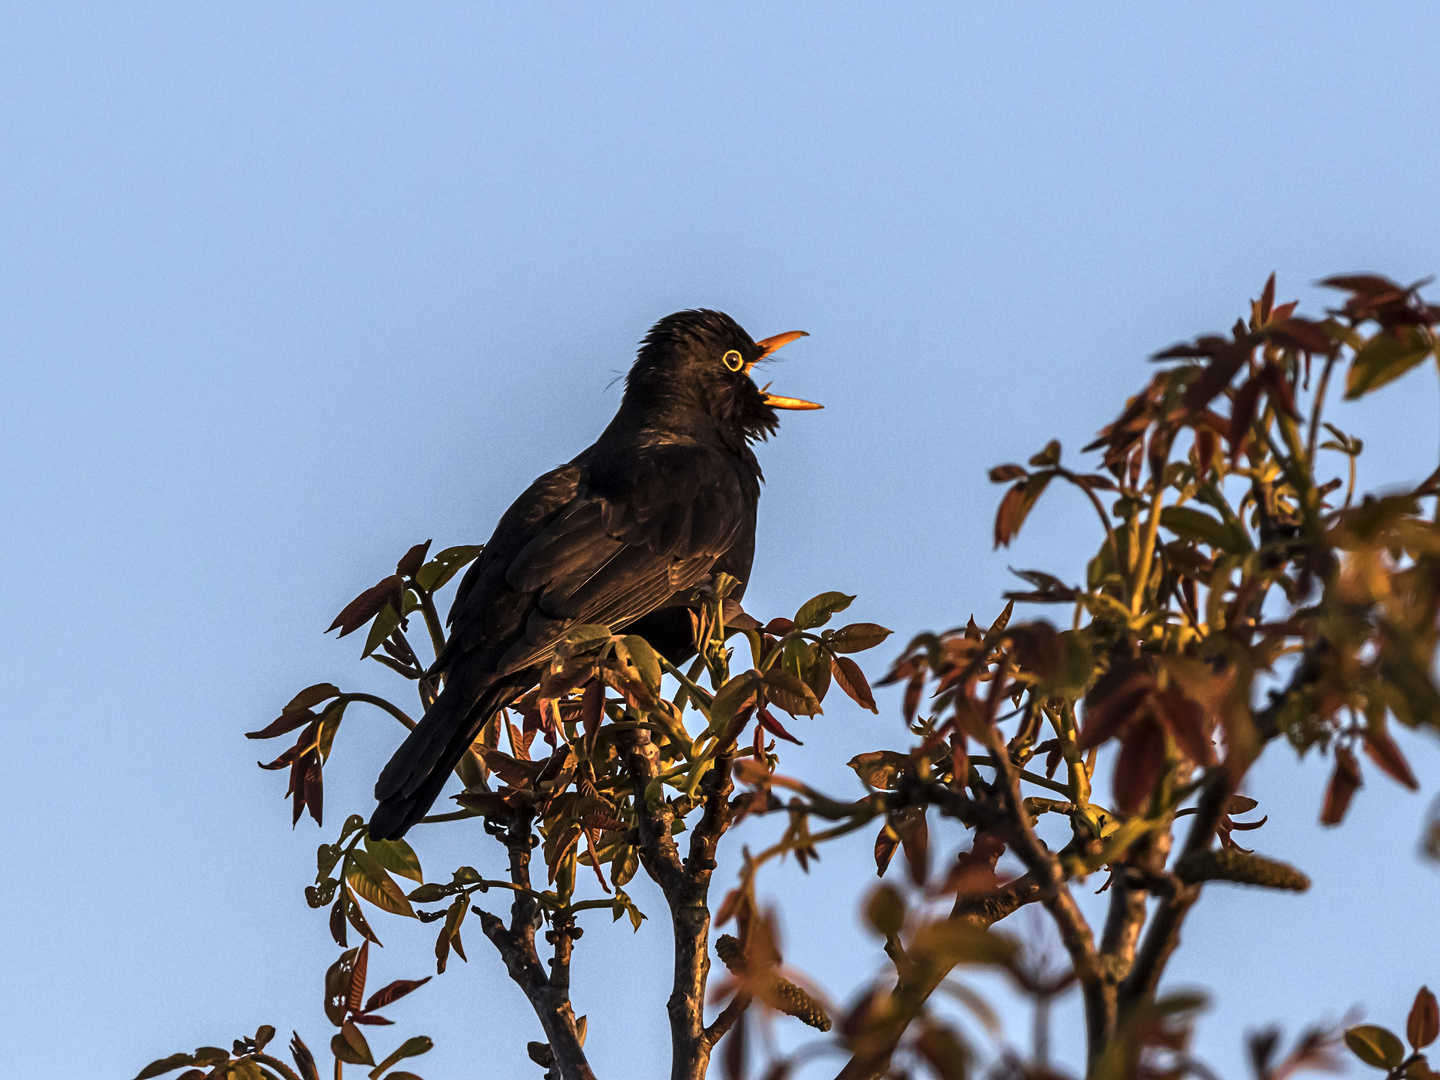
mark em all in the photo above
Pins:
pixel 412 780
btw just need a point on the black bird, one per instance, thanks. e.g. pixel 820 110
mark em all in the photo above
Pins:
pixel 622 535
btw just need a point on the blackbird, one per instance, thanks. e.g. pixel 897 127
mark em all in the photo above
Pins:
pixel 622 535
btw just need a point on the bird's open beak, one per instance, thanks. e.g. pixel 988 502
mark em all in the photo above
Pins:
pixel 768 346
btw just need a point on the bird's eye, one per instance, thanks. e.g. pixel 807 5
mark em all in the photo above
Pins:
pixel 733 360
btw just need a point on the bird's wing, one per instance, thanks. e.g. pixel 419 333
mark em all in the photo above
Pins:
pixel 625 542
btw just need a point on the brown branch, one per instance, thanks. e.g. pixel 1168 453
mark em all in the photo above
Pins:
pixel 686 886
pixel 549 995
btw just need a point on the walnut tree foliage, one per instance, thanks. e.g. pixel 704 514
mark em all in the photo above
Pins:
pixel 1242 595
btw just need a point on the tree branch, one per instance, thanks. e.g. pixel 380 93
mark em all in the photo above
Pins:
pixel 549 995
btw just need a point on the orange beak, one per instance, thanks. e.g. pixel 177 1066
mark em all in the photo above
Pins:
pixel 769 345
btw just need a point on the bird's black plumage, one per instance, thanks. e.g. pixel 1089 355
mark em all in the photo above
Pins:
pixel 621 535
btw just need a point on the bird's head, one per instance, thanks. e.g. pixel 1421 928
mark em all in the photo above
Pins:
pixel 694 374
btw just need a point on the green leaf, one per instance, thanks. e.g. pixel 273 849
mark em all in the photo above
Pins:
pixel 386 620
pixel 623 905
pixel 1190 524
pixel 396 856
pixel 583 636
pixel 857 637
pixel 369 879
pixel 790 693
pixel 246 1069
pixel 949 941
pixel 1384 358
pixel 428 894
pixel 818 610
pixel 736 694
pixel 312 695
pixel 444 566
pixel 164 1065
pixel 644 658
pixel 329 725
pixel 1047 457
pixel 885 910
pixel 1375 1045
pixel 420 1044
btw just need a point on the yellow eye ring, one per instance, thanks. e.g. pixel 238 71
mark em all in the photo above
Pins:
pixel 733 360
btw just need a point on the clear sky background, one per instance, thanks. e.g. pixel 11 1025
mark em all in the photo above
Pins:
pixel 287 287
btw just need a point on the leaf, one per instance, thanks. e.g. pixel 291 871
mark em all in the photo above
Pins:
pixel 1117 696
pixel 350 1046
pixel 394 992
pixel 1002 473
pixel 444 566
pixel 368 604
pixel 736 695
pixel 410 563
pixel 644 658
pixel 1381 749
pixel 790 693
pixel 1375 1045
pixel 1191 524
pixel 623 905
pixel 770 724
pixel 1344 782
pixel 369 879
pixel 1384 358
pixel 1048 457
pixel 951 941
pixel 304 1060
pixel 263 1034
pixel 1423 1026
pixel 166 1064
pixel 396 856
pixel 880 768
pixel 851 679
pixel 1015 506
pixel 856 637
pixel 1138 767
pixel 818 610
pixel 358 971
pixel 420 1044
pixel 386 620
pixel 885 910
pixel 885 844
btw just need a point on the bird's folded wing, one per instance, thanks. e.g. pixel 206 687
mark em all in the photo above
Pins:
pixel 612 557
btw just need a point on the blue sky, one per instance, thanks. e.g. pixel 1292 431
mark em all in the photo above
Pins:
pixel 289 287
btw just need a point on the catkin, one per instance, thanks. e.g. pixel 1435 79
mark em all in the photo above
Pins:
pixel 778 992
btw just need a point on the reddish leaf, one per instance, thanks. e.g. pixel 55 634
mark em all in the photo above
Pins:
pixel 1002 473
pixel 1117 696
pixel 1423 1027
pixel 1138 766
pixel 885 844
pixel 394 992
pixel 286 722
pixel 1344 782
pixel 1184 718
pixel 852 680
pixel 368 604
pixel 1242 414
pixel 1228 359
pixel 1364 284
pixel 410 563
pixel 915 839
pixel 770 724
pixel 1381 749
pixel 1304 335
pixel 1278 388
pixel 357 977
pixel 592 709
